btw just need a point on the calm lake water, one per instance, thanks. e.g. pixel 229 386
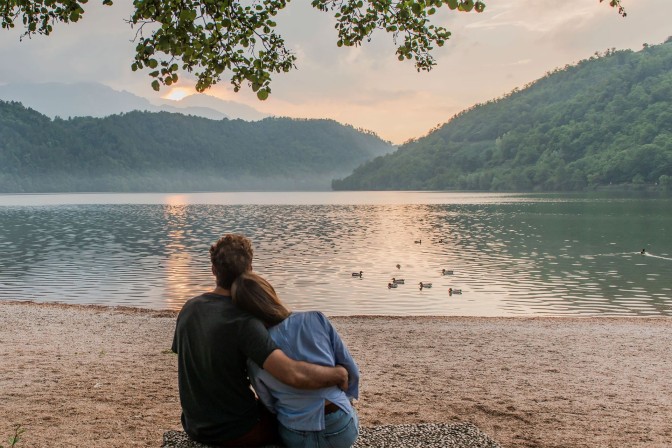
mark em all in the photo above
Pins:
pixel 511 254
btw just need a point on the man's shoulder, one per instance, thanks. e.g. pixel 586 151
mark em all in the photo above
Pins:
pixel 218 314
pixel 206 306
pixel 192 301
pixel 210 299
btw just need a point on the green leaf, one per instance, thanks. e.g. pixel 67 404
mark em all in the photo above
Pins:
pixel 155 85
pixel 185 15
pixel 262 94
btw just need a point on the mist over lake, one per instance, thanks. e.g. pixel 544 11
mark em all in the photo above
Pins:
pixel 511 254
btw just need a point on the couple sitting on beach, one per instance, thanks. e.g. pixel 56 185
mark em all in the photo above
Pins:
pixel 302 373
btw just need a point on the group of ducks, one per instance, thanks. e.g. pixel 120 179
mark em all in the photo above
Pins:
pixel 423 285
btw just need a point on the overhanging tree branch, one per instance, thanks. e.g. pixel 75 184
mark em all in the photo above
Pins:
pixel 211 37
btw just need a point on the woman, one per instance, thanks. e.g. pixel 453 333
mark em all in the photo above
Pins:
pixel 307 418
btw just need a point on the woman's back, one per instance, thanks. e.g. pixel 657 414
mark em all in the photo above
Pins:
pixel 307 418
pixel 306 336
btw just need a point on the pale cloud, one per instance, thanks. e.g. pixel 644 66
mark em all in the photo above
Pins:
pixel 521 62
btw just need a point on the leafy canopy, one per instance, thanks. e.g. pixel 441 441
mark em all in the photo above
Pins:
pixel 210 37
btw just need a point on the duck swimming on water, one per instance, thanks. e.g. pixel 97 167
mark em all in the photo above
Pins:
pixel 446 272
pixel 391 285
pixel 357 274
pixel 398 281
pixel 425 285
pixel 452 291
pixel 643 252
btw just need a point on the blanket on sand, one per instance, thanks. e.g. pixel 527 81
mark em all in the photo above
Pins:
pixel 425 435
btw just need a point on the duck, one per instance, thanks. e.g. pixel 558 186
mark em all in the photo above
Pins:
pixel 425 285
pixel 398 266
pixel 391 285
pixel 446 272
pixel 357 274
pixel 452 291
pixel 441 240
pixel 643 252
pixel 418 241
pixel 398 281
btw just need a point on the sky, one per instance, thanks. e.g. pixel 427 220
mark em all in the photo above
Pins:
pixel 512 43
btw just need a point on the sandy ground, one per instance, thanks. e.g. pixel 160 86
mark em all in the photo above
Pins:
pixel 104 377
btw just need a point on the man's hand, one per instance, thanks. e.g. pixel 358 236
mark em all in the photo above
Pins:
pixel 343 385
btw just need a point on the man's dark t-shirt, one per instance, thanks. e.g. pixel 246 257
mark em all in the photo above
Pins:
pixel 213 340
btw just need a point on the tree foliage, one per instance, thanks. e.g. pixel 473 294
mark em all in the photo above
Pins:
pixel 212 37
pixel 606 121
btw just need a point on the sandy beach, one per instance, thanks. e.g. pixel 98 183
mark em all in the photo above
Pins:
pixel 89 376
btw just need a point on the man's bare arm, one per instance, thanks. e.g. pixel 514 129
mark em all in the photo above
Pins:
pixel 304 375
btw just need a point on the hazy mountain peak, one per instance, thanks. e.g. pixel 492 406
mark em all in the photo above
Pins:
pixel 232 109
pixel 73 100
pixel 89 99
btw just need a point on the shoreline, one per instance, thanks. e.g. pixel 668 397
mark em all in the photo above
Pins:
pixel 98 376
pixel 173 313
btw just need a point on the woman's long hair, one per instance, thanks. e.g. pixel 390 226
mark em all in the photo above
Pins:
pixel 255 295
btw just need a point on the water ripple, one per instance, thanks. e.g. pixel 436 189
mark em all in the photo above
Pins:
pixel 508 257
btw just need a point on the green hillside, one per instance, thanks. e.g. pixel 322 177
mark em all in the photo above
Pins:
pixel 605 121
pixel 143 151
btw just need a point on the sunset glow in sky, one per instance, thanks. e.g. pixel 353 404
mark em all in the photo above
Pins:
pixel 512 43
pixel 177 93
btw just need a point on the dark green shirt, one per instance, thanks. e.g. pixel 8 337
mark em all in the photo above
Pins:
pixel 213 340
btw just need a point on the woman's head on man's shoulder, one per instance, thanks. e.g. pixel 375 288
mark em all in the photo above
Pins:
pixel 254 294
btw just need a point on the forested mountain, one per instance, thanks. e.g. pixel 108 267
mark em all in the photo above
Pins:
pixel 143 151
pixel 604 121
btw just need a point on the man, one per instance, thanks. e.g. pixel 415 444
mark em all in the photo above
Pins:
pixel 213 340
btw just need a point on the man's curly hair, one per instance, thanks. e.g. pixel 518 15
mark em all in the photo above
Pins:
pixel 231 255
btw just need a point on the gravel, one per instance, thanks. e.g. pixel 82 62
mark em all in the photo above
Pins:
pixel 423 435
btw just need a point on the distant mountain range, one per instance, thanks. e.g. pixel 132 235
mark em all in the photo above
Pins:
pixel 97 100
pixel 161 151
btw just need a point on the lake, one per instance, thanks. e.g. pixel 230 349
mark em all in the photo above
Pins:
pixel 511 254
